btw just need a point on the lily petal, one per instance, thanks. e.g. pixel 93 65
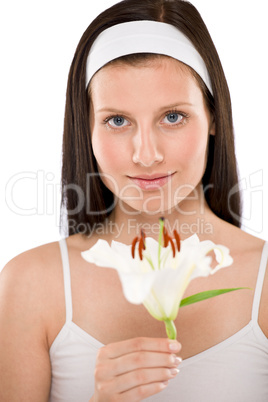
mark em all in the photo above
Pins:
pixel 136 286
pixel 103 255
pixel 159 279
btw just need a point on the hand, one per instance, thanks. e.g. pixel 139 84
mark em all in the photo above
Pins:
pixel 132 370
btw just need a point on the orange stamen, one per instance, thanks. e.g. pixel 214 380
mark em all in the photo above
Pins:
pixel 135 241
pixel 172 245
pixel 141 246
pixel 177 239
pixel 165 236
pixel 143 238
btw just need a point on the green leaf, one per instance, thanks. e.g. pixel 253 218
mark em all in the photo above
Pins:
pixel 206 295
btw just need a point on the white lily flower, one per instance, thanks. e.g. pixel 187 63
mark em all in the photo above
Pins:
pixel 158 275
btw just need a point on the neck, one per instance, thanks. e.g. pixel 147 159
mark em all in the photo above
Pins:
pixel 191 216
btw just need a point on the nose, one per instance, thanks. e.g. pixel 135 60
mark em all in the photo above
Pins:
pixel 147 151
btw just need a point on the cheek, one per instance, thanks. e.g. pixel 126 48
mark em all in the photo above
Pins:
pixel 108 153
pixel 107 161
pixel 189 153
pixel 193 148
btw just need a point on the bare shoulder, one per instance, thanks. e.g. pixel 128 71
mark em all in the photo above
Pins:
pixel 28 295
pixel 248 251
pixel 242 244
pixel 29 281
pixel 31 271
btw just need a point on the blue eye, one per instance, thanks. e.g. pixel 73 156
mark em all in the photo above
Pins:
pixel 117 121
pixel 173 118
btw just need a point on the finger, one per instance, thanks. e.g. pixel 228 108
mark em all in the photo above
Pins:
pixel 134 361
pixel 118 349
pixel 137 360
pixel 140 393
pixel 141 377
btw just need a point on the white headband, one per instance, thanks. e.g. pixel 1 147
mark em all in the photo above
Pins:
pixel 144 37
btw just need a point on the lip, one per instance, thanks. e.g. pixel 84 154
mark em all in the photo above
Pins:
pixel 151 182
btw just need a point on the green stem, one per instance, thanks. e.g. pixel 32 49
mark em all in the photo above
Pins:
pixel 170 329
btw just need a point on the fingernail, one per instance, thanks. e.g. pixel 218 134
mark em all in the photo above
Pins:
pixel 174 346
pixel 176 360
pixel 174 371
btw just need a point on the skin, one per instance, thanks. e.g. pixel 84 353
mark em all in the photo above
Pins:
pixel 147 142
pixel 136 360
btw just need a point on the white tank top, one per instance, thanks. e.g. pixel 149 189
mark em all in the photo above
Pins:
pixel 235 370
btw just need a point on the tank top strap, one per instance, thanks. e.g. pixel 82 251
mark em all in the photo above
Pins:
pixel 259 283
pixel 66 279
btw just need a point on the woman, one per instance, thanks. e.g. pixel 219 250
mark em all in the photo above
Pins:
pixel 148 133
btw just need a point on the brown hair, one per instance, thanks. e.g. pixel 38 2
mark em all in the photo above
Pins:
pixel 90 202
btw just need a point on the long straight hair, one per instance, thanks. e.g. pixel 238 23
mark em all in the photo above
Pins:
pixel 85 199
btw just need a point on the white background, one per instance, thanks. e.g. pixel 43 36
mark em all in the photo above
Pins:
pixel 38 40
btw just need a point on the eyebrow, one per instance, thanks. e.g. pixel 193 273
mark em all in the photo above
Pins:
pixel 171 106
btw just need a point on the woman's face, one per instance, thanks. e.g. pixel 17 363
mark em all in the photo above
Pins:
pixel 150 130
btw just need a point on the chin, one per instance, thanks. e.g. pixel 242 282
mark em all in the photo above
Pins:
pixel 150 207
